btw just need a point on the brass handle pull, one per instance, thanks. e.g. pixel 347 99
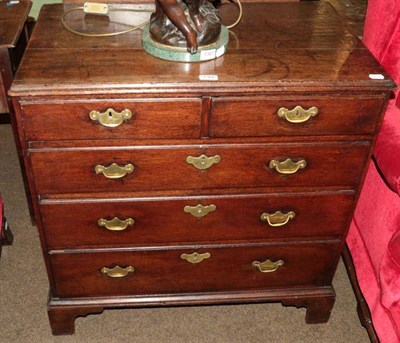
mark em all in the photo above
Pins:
pixel 203 162
pixel 298 114
pixel 110 118
pixel 267 266
pixel 117 271
pixel 288 166
pixel 195 257
pixel 114 171
pixel 278 218
pixel 115 224
pixel 199 210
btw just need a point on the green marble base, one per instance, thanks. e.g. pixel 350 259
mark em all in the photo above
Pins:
pixel 204 53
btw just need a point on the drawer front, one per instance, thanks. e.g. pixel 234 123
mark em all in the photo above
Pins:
pixel 74 171
pixel 150 119
pixel 196 219
pixel 165 271
pixel 259 117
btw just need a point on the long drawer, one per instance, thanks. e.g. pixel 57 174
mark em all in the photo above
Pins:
pixel 150 118
pixel 211 269
pixel 190 220
pixel 167 168
pixel 255 117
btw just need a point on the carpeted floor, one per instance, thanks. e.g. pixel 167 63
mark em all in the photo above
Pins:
pixel 24 290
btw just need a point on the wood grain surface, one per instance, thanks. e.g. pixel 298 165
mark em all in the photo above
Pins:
pixel 289 46
pixel 12 21
pixel 163 221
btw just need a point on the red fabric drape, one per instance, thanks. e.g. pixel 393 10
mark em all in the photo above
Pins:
pixel 374 236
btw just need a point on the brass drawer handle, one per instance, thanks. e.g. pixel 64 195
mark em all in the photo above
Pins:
pixel 278 218
pixel 203 162
pixel 117 271
pixel 110 118
pixel 267 266
pixel 288 166
pixel 195 257
pixel 115 224
pixel 114 171
pixel 199 210
pixel 298 114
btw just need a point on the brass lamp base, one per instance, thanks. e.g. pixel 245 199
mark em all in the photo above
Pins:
pixel 178 54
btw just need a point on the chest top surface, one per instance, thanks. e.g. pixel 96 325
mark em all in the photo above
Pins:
pixel 277 46
pixel 12 20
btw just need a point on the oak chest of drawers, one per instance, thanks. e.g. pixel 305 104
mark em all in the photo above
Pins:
pixel 152 187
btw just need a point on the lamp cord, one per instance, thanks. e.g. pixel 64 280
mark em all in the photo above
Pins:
pixel 85 34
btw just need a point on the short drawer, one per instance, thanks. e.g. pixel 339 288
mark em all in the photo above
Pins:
pixel 211 269
pixel 148 118
pixel 158 168
pixel 256 117
pixel 188 220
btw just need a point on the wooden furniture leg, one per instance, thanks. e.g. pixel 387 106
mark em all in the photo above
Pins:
pixel 8 237
pixel 318 309
pixel 362 307
pixel 62 319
